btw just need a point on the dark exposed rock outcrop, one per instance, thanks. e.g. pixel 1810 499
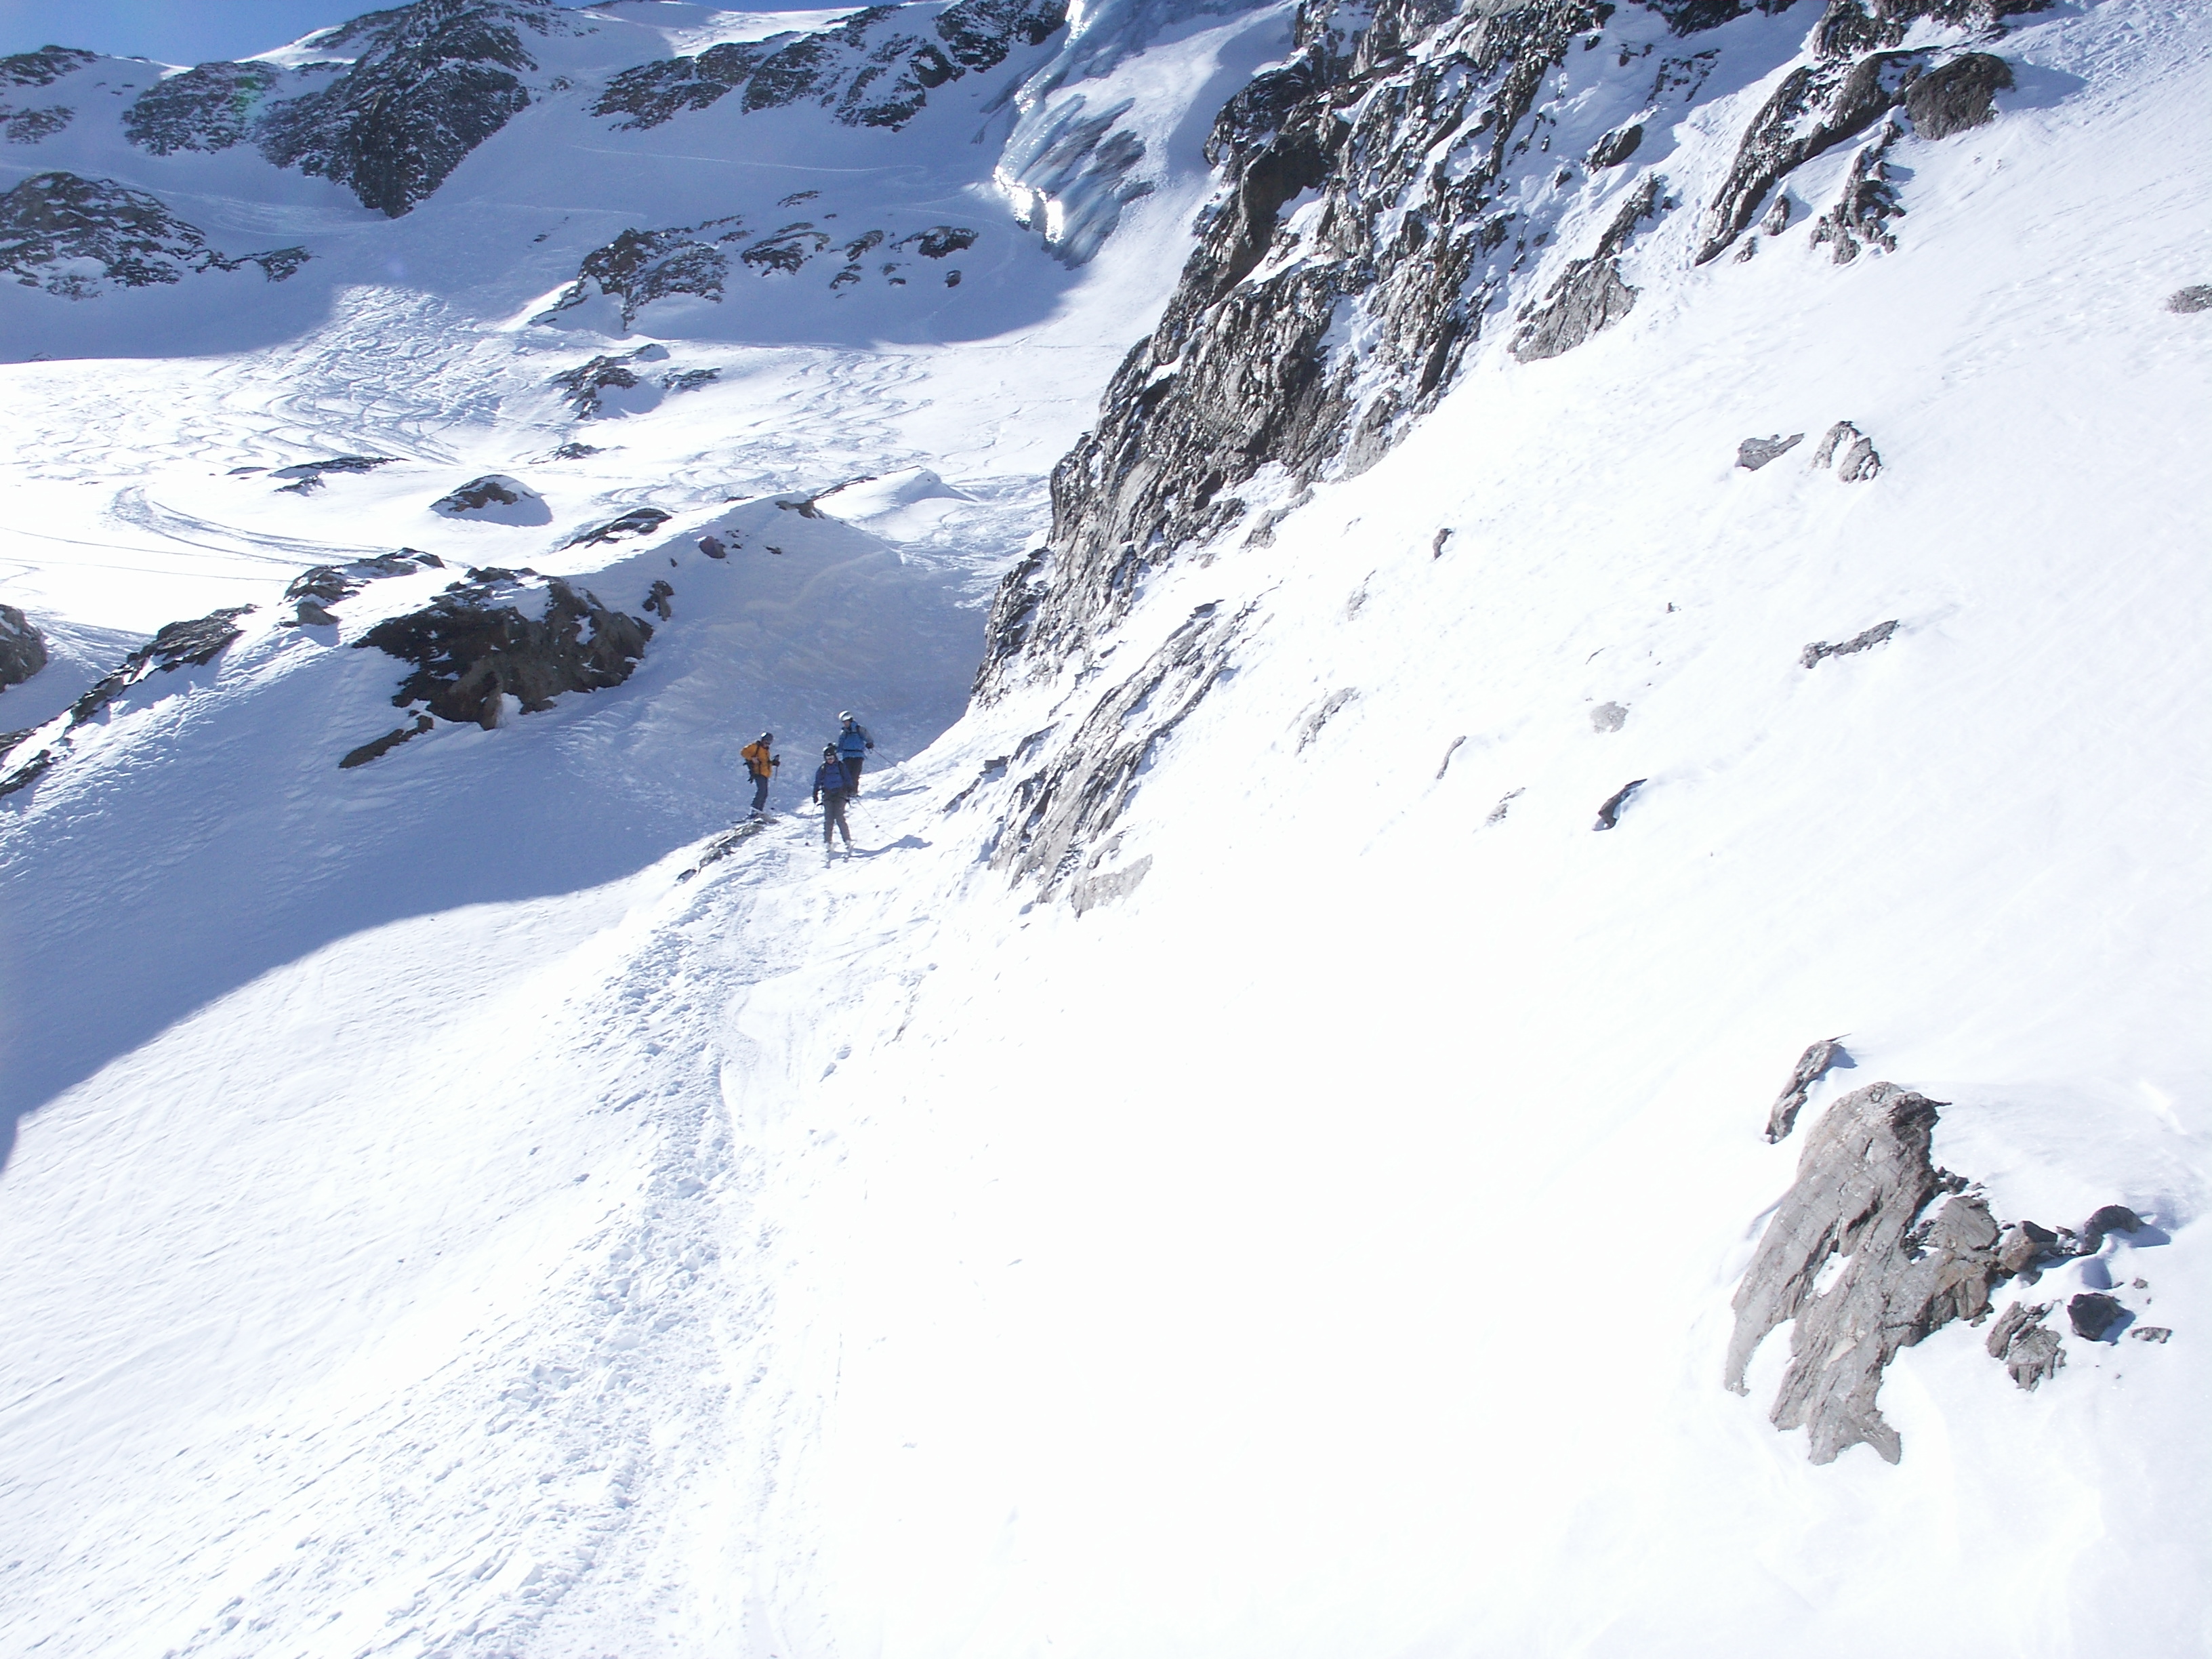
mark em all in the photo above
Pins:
pixel 1863 208
pixel 495 499
pixel 1855 1219
pixel 1416 168
pixel 306 476
pixel 2093 1315
pixel 1609 811
pixel 638 521
pixel 22 648
pixel 475 645
pixel 211 107
pixel 54 225
pixel 193 644
pixel 45 66
pixel 640 266
pixel 1960 95
pixel 429 82
pixel 871 70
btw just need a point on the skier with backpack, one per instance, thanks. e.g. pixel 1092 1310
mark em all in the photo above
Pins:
pixel 761 761
pixel 852 745
pixel 830 790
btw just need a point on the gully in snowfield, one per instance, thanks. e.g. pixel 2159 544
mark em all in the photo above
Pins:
pixel 852 745
pixel 830 790
pixel 761 761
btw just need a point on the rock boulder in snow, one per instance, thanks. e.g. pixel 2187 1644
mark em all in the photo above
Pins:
pixel 22 648
pixel 1863 1184
pixel 495 499
pixel 1752 454
pixel 1850 451
pixel 475 645
pixel 2190 300
pixel 1960 95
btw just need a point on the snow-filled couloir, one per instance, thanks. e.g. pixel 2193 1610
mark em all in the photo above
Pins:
pixel 1524 971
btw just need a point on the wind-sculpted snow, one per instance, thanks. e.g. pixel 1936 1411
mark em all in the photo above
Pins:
pixel 429 83
pixel 78 238
pixel 872 70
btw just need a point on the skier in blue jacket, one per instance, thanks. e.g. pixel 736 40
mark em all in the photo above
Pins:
pixel 852 745
pixel 829 790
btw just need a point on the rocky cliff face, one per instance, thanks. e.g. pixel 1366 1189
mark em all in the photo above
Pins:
pixel 1411 177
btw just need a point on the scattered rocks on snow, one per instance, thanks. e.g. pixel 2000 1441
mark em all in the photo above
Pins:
pixel 22 648
pixel 1322 713
pixel 473 647
pixel 590 385
pixel 77 238
pixel 2188 300
pixel 640 266
pixel 307 476
pixel 1860 218
pixel 1608 813
pixel 1960 95
pixel 1875 636
pixel 1752 454
pixel 192 644
pixel 869 69
pixel 1850 451
pixel 2092 1313
pixel 1812 1065
pixel 1863 1182
pixel 495 499
pixel 2150 1333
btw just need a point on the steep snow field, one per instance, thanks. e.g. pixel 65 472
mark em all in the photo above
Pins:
pixel 476 1204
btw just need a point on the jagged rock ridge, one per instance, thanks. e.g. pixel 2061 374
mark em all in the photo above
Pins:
pixel 22 648
pixel 1416 142
pixel 870 70
pixel 53 225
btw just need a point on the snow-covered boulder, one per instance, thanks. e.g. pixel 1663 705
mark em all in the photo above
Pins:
pixel 495 499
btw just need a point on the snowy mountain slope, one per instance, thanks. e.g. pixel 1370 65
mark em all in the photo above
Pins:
pixel 1239 1166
